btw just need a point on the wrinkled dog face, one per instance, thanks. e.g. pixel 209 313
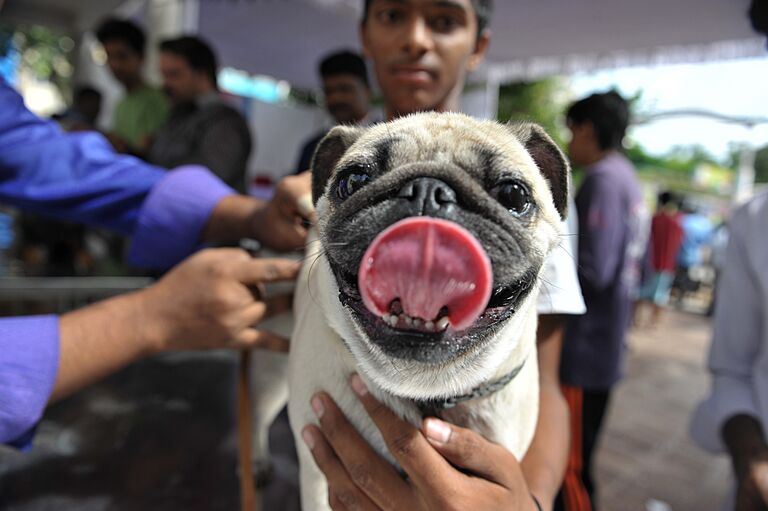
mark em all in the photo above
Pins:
pixel 457 215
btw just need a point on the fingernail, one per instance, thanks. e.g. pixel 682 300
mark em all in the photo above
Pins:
pixel 308 438
pixel 358 385
pixel 438 431
pixel 317 406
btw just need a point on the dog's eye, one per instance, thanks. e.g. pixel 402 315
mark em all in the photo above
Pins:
pixel 514 196
pixel 350 183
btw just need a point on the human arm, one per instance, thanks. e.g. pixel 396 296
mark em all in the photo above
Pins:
pixel 78 177
pixel 279 223
pixel 730 418
pixel 205 302
pixel 744 438
pixel 545 461
pixel 448 468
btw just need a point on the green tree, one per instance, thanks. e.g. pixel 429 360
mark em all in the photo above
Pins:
pixel 761 165
pixel 540 101
pixel 45 53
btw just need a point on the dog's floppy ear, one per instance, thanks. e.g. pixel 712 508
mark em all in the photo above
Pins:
pixel 327 154
pixel 549 158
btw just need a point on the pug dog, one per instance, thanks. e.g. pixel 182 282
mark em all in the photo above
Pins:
pixel 422 276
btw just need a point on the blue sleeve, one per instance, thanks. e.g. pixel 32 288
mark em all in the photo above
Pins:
pixel 72 176
pixel 174 215
pixel 78 177
pixel 29 362
pixel 601 233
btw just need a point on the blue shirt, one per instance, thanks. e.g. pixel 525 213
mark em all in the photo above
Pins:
pixel 78 177
pixel 697 230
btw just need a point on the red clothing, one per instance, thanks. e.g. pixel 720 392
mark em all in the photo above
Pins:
pixel 666 238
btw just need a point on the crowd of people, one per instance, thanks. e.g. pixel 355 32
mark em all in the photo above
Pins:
pixel 167 173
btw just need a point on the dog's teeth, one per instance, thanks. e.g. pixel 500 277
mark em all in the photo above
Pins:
pixel 429 326
pixel 407 320
pixel 442 324
pixel 417 322
pixel 386 318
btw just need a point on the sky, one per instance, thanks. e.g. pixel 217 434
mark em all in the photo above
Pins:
pixel 738 88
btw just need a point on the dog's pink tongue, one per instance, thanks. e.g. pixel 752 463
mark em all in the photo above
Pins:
pixel 427 264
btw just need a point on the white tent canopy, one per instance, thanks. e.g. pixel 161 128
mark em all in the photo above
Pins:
pixel 531 38
pixel 285 39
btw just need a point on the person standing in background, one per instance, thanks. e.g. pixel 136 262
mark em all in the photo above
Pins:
pixel 610 213
pixel 734 416
pixel 347 96
pixel 143 108
pixel 663 246
pixel 201 128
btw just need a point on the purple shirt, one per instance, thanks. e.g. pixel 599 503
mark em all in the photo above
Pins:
pixel 611 219
pixel 77 176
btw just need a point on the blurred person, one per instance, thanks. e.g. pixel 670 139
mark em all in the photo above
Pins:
pixel 610 209
pixel 733 417
pixel 85 110
pixel 201 128
pixel 664 244
pixel 347 96
pixel 143 108
pixel 206 302
pixel 719 244
pixel 697 232
pixel 421 52
pixel 51 247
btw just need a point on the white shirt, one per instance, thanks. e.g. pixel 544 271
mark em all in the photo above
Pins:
pixel 738 357
pixel 559 291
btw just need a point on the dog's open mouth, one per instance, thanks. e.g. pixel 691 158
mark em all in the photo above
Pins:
pixel 422 271
pixel 424 290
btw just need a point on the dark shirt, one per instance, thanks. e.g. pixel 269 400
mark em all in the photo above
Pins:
pixel 207 132
pixel 308 151
pixel 611 217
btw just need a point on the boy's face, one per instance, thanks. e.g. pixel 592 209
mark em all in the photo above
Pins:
pixel 582 142
pixel 123 61
pixel 421 51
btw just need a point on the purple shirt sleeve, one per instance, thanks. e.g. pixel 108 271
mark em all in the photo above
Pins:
pixel 173 216
pixel 29 361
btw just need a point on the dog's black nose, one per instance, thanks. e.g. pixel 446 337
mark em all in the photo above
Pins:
pixel 428 195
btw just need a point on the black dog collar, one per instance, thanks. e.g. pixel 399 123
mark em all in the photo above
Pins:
pixel 435 406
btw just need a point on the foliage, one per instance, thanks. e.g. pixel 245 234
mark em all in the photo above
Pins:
pixel 45 54
pixel 761 165
pixel 540 101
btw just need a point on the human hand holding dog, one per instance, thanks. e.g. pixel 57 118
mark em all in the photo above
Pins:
pixel 448 467
pixel 278 223
pixel 207 301
pixel 282 223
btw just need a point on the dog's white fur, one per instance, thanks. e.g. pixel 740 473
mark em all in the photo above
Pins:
pixel 320 359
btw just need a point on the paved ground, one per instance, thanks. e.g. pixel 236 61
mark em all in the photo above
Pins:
pixel 646 454
pixel 160 436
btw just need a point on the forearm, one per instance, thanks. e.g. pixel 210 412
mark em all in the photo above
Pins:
pixel 100 339
pixel 235 217
pixel 544 464
pixel 744 438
